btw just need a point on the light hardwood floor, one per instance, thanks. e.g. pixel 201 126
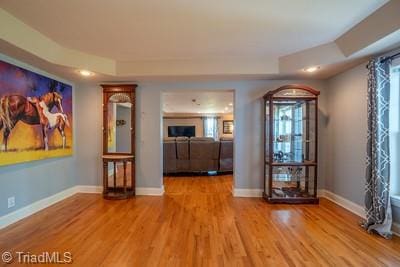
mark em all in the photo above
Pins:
pixel 199 223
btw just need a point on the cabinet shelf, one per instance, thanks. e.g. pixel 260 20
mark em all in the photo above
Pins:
pixel 284 179
pixel 291 163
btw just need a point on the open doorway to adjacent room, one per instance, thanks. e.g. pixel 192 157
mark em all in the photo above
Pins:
pixel 198 141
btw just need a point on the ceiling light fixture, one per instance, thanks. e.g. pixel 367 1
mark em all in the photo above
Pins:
pixel 230 104
pixel 86 73
pixel 311 69
pixel 226 108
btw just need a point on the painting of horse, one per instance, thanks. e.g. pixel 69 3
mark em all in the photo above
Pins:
pixel 35 116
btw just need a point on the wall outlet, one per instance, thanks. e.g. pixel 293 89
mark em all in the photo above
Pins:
pixel 11 202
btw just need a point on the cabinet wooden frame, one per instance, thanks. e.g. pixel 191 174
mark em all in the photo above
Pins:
pixel 269 98
pixel 110 90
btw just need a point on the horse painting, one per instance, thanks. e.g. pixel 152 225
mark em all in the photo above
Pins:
pixel 32 106
pixel 48 120
pixel 16 108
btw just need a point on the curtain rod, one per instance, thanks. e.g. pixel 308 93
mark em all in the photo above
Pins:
pixel 396 55
pixel 391 57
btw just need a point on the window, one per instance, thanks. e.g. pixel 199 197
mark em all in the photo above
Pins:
pixel 211 127
pixel 394 128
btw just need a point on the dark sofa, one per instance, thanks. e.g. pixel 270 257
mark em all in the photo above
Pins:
pixel 197 155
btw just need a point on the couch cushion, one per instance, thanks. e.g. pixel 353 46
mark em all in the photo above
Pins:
pixel 182 148
pixel 209 139
pixel 169 139
pixel 169 151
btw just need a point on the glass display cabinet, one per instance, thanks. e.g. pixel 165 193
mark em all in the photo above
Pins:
pixel 291 134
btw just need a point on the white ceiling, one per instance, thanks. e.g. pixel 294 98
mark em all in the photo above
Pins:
pixel 127 30
pixel 138 40
pixel 205 102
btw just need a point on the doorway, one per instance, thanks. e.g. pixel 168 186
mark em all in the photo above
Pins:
pixel 198 141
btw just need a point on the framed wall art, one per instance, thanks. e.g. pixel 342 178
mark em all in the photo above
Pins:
pixel 227 126
pixel 35 116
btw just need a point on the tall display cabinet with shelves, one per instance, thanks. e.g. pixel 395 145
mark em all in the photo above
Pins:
pixel 291 147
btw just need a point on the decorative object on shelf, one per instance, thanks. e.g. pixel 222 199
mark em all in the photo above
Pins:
pixel 294 174
pixel 278 156
pixel 284 138
pixel 120 122
pixel 36 117
pixel 227 126
pixel 118 142
pixel 291 130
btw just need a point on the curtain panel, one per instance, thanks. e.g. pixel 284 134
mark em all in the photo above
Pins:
pixel 210 126
pixel 377 190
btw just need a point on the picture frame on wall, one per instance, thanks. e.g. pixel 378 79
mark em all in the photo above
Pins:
pixel 227 126
pixel 36 120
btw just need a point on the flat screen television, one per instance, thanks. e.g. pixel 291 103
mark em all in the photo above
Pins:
pixel 175 131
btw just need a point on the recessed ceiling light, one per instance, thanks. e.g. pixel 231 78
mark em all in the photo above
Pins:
pixel 86 73
pixel 311 69
pixel 230 104
pixel 226 108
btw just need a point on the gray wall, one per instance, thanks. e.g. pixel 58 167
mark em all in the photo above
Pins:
pixel 30 182
pixel 88 124
pixel 248 130
pixel 347 135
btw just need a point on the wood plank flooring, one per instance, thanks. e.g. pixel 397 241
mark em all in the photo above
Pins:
pixel 198 223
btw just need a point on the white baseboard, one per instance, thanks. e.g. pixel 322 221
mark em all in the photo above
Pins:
pixel 89 189
pixel 396 228
pixel 247 192
pixel 256 192
pixel 159 191
pixel 140 191
pixel 352 207
pixel 150 191
pixel 39 205
pixel 343 202
pixel 36 206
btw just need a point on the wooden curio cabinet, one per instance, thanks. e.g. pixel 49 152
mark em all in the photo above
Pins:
pixel 291 144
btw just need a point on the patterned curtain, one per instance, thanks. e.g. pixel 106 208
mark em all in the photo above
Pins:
pixel 377 195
